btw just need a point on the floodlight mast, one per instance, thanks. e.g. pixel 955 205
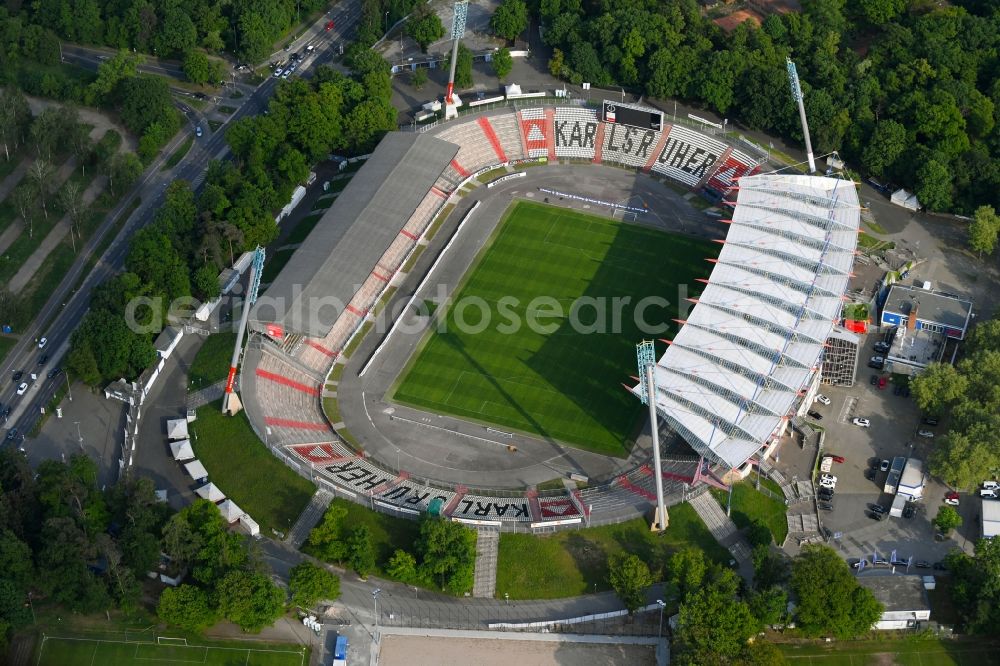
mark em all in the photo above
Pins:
pixel 231 402
pixel 646 357
pixel 457 30
pixel 793 80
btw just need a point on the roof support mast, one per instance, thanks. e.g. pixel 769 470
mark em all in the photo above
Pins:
pixel 793 80
pixel 457 30
pixel 646 356
pixel 231 402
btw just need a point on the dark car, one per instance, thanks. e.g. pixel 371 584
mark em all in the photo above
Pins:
pixel 5 413
pixel 939 566
pixel 873 515
pixel 906 391
pixel 931 420
pixel 200 95
pixel 12 434
pixel 825 497
pixel 814 414
pixel 870 474
pixel 879 562
pixel 874 380
pixel 55 372
pixel 825 506
pixel 909 511
pixel 881 347
pixel 43 360
pixel 877 508
pixel 923 564
pixel 18 375
pixel 897 390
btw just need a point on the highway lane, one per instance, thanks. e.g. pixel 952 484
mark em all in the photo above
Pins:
pixel 151 65
pixel 67 307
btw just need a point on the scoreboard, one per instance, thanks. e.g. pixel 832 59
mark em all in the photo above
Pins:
pixel 626 114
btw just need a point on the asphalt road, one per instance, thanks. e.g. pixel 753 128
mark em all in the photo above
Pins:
pixel 67 306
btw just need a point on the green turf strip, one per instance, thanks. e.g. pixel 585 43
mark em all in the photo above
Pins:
pixel 557 383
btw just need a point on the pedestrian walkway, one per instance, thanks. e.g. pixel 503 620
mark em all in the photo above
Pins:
pixel 54 238
pixel 14 177
pixel 206 395
pixel 487 545
pixel 309 517
pixel 724 531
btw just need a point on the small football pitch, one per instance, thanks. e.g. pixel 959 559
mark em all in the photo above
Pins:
pixel 56 651
pixel 582 279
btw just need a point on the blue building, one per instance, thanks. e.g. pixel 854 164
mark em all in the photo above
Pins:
pixel 920 309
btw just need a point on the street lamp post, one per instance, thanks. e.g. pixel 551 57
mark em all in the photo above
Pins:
pixel 375 594
pixel 79 435
pixel 506 598
pixel 387 22
pixel 662 605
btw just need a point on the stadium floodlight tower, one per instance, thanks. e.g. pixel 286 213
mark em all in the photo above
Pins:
pixel 645 353
pixel 793 80
pixel 231 402
pixel 451 100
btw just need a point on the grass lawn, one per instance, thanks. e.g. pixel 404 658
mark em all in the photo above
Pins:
pixel 303 228
pixel 557 371
pixel 6 344
pixel 178 155
pixel 260 484
pixel 569 563
pixel 750 505
pixel 211 364
pixel 916 651
pixel 275 262
pixel 59 651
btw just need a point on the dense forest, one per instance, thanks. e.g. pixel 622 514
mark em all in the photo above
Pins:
pixel 248 29
pixel 906 88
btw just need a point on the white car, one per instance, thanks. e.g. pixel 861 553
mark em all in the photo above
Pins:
pixel 925 433
pixel 861 423
pixel 988 493
pixel 991 485
pixel 287 73
pixel 829 478
pixel 827 484
pixel 22 388
pixel 951 501
pixel 278 72
pixel 822 399
pixel 42 343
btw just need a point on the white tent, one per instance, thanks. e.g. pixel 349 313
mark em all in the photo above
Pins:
pixel 196 470
pixel 249 524
pixel 230 511
pixel 177 429
pixel 211 492
pixel 906 200
pixel 182 450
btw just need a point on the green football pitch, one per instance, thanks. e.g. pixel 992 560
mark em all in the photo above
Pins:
pixel 55 651
pixel 562 377
pixel 924 652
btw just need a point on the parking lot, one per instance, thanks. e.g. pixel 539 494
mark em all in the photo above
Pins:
pixel 895 422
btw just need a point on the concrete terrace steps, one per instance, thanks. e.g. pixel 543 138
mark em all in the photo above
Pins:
pixel 292 362
pixel 309 517
pixel 487 546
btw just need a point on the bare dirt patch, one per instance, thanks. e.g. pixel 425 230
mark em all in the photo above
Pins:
pixel 438 651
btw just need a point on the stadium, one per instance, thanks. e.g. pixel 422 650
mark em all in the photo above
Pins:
pixel 344 374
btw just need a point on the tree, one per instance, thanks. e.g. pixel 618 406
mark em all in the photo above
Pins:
pixel 447 554
pixel 402 566
pixel 510 19
pixel 629 576
pixel 557 63
pixel 187 607
pixel 196 67
pixel 41 173
pixel 938 386
pixel 769 605
pixel 424 27
pixel 328 539
pixel 983 230
pixel 360 551
pixel 463 67
pixel 688 568
pixel 502 63
pixel 250 600
pixel 976 586
pixel 419 78
pixel 934 185
pixel 830 601
pixel 15 117
pixel 23 197
pixel 887 143
pixel 123 65
pixel 309 583
pixel 125 169
pixel 947 519
pixel 713 624
pixel 758 534
pixel 71 199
